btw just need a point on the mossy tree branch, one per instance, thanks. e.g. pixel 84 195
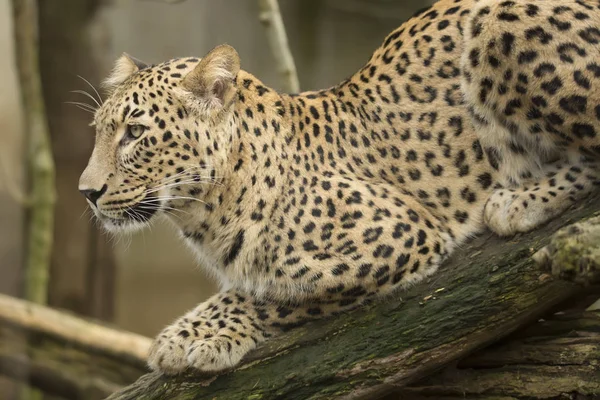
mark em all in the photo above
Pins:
pixel 486 291
pixel 558 357
pixel 574 252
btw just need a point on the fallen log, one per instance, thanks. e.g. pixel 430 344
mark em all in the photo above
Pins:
pixel 556 358
pixel 489 288
pixel 65 355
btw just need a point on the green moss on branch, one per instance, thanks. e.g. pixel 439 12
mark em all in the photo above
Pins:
pixel 488 290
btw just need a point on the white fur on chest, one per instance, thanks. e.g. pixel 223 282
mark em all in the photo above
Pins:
pixel 209 264
pixel 233 276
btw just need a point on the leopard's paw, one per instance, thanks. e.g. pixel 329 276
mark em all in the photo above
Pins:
pixel 189 345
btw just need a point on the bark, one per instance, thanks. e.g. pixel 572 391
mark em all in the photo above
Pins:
pixel 554 359
pixel 486 291
pixel 65 355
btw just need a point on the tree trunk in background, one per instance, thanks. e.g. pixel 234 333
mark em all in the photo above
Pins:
pixel 82 273
pixel 40 196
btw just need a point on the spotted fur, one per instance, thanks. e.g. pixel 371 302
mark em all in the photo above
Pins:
pixel 472 113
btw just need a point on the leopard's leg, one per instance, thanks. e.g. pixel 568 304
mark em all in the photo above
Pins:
pixel 509 211
pixel 216 334
pixel 532 89
pixel 533 95
pixel 323 273
pixel 212 337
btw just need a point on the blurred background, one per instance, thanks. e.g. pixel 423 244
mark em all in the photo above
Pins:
pixel 141 283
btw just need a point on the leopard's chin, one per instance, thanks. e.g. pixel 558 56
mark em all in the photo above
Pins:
pixel 118 226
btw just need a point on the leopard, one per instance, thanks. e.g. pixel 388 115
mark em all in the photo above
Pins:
pixel 472 115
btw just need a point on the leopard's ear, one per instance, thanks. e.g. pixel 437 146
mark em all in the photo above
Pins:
pixel 125 66
pixel 211 82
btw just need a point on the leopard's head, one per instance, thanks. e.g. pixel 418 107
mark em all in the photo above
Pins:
pixel 161 137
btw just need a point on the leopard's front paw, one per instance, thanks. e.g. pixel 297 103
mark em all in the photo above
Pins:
pixel 188 345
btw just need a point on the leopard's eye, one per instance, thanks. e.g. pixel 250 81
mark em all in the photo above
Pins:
pixel 135 131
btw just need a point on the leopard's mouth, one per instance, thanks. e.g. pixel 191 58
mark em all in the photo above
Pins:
pixel 133 217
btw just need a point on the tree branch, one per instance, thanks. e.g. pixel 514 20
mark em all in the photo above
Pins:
pixel 65 355
pixel 552 358
pixel 270 17
pixel 490 288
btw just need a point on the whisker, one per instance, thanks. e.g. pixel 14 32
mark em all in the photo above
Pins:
pixel 163 207
pixel 175 181
pixel 172 214
pixel 83 92
pixel 83 106
pixel 167 198
pixel 192 167
pixel 93 88
pixel 197 177
pixel 172 178
pixel 185 171
pixel 87 208
pixel 169 185
pixel 91 107
pixel 85 109
pixel 178 198
pixel 152 202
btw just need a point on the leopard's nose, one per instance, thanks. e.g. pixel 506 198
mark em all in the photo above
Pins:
pixel 92 194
